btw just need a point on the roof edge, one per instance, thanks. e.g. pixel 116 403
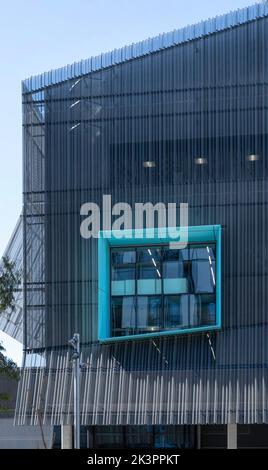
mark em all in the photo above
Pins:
pixel 145 47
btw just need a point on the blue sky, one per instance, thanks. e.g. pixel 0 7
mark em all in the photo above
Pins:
pixel 37 35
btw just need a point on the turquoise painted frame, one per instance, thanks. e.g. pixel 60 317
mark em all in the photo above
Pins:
pixel 109 238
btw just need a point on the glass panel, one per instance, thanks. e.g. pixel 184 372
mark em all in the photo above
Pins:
pixel 200 268
pixel 149 286
pixel 123 274
pixel 123 314
pixel 148 313
pixel 128 313
pixel 203 272
pixel 123 287
pixel 145 280
pixel 172 264
pixel 172 312
pixel 175 280
pixel 147 255
pixel 123 265
pixel 123 257
pixel 149 272
pixel 149 263
pixel 175 286
pixel 181 311
pixel 208 313
pixel 189 310
pixel 117 313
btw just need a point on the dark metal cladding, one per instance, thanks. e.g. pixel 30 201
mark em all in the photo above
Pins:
pixel 85 137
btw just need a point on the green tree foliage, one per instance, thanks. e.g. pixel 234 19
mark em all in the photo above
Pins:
pixel 7 366
pixel 9 281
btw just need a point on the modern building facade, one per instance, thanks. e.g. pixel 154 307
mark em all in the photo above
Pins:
pixel 174 341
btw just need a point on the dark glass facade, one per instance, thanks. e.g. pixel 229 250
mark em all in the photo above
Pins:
pixel 199 111
pixel 134 437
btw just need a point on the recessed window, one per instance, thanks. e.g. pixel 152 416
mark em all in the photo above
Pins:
pixel 156 288
pixel 149 285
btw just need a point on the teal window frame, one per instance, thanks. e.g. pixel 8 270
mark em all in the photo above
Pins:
pixel 108 239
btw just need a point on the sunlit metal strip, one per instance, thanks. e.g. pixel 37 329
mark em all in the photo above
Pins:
pixel 145 47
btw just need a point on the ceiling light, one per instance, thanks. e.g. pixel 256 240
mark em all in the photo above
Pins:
pixel 149 164
pixel 200 161
pixel 253 157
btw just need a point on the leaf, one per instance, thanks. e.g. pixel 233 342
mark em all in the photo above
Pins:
pixel 10 279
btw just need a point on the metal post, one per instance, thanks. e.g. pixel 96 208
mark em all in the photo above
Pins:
pixel 75 343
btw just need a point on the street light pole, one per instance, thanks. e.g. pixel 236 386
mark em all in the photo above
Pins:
pixel 75 343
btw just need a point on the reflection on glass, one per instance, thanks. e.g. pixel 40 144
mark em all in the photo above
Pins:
pixel 149 286
pixel 126 287
pixel 149 263
pixel 123 257
pixel 161 289
pixel 123 265
pixel 174 273
pixel 123 315
pixel 172 264
pixel 123 273
pixel 149 272
pixel 172 312
pixel 147 255
pixel 182 311
pixel 208 314
pixel 148 313
pixel 189 305
pixel 202 276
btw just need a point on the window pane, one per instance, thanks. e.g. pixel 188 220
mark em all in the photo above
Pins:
pixel 208 307
pixel 200 268
pixel 181 311
pixel 148 313
pixel 211 252
pixel 123 314
pixel 176 286
pixel 128 313
pixel 123 257
pixel 123 274
pixel 147 255
pixel 123 287
pixel 117 312
pixel 123 265
pixel 149 263
pixel 172 264
pixel 149 286
pixel 189 310
pixel 173 269
pixel 174 275
pixel 203 276
pixel 159 288
pixel 172 312
pixel 149 272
